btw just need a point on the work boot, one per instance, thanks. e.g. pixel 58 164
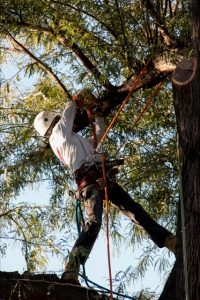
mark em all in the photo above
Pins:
pixel 170 243
pixel 71 274
pixel 70 278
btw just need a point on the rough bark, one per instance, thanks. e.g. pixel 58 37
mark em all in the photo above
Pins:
pixel 186 80
pixel 14 286
pixel 187 108
pixel 186 88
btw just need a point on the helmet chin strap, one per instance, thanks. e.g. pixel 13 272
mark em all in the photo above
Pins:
pixel 53 124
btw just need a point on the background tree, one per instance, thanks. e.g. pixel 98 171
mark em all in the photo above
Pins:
pixel 101 45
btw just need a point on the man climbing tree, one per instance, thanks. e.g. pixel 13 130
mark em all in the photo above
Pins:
pixel 79 155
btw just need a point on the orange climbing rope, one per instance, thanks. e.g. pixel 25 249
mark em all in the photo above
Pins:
pixel 148 102
pixel 124 102
pixel 107 223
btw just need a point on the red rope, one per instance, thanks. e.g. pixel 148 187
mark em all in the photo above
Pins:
pixel 107 224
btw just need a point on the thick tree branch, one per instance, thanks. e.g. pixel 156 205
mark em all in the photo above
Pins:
pixel 157 70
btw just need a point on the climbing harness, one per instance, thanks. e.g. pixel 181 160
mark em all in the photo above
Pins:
pixel 91 174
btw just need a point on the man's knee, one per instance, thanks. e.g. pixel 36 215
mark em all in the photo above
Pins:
pixel 94 226
pixel 93 204
pixel 92 191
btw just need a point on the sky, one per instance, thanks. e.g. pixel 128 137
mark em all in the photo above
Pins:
pixel 96 266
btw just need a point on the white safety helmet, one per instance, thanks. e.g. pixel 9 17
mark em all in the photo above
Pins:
pixel 43 121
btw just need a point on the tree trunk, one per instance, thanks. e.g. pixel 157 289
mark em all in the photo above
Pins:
pixel 186 80
pixel 186 88
pixel 186 85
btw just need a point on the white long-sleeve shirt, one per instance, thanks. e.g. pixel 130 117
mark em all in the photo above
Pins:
pixel 71 148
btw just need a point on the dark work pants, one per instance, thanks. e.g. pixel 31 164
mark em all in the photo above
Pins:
pixel 93 202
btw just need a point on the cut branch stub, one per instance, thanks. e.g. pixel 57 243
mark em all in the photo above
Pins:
pixel 186 104
pixel 184 72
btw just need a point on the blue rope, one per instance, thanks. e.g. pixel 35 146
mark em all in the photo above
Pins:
pixel 105 289
pixel 78 216
pixel 100 287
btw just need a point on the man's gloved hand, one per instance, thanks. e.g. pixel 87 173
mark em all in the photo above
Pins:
pixel 85 97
